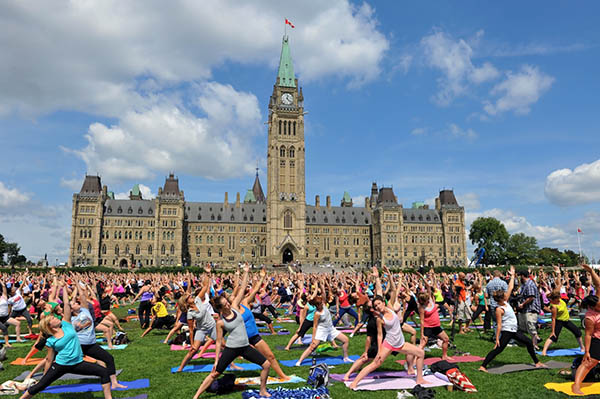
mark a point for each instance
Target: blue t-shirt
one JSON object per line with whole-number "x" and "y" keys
{"x": 250, "y": 323}
{"x": 68, "y": 349}
{"x": 86, "y": 335}
{"x": 310, "y": 314}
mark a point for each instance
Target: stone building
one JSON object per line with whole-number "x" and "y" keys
{"x": 275, "y": 228}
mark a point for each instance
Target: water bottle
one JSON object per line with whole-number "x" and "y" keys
{"x": 314, "y": 360}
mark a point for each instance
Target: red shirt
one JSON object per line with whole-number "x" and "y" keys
{"x": 344, "y": 300}
{"x": 462, "y": 296}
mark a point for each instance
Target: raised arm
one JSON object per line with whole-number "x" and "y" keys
{"x": 240, "y": 295}
{"x": 511, "y": 284}
{"x": 66, "y": 303}
{"x": 595, "y": 278}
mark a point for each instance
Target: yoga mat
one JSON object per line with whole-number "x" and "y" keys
{"x": 205, "y": 355}
{"x": 396, "y": 383}
{"x": 265, "y": 326}
{"x": 207, "y": 368}
{"x": 115, "y": 347}
{"x": 93, "y": 387}
{"x": 349, "y": 330}
{"x": 34, "y": 361}
{"x": 282, "y": 347}
{"x": 141, "y": 396}
{"x": 271, "y": 380}
{"x": 181, "y": 348}
{"x": 376, "y": 375}
{"x": 588, "y": 388}
{"x": 330, "y": 361}
{"x": 455, "y": 359}
{"x": 66, "y": 377}
{"x": 563, "y": 352}
{"x": 511, "y": 368}
{"x": 277, "y": 333}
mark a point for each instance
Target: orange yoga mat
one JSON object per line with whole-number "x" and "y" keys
{"x": 34, "y": 361}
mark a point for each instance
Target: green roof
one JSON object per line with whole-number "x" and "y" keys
{"x": 346, "y": 197}
{"x": 418, "y": 204}
{"x": 249, "y": 197}
{"x": 136, "y": 190}
{"x": 111, "y": 195}
{"x": 286, "y": 67}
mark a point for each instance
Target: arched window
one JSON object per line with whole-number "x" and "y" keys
{"x": 80, "y": 233}
{"x": 282, "y": 152}
{"x": 149, "y": 249}
{"x": 337, "y": 253}
{"x": 126, "y": 249}
{"x": 292, "y": 152}
{"x": 279, "y": 127}
{"x": 220, "y": 252}
{"x": 117, "y": 250}
{"x": 172, "y": 249}
{"x": 162, "y": 250}
{"x": 346, "y": 253}
{"x": 209, "y": 252}
{"x": 285, "y": 127}
{"x": 197, "y": 252}
{"x": 103, "y": 249}
{"x": 287, "y": 220}
{"x": 137, "y": 250}
{"x": 79, "y": 249}
{"x": 294, "y": 129}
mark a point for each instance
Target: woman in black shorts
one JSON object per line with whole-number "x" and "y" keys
{"x": 375, "y": 334}
{"x": 237, "y": 343}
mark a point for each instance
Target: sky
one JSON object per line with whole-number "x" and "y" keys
{"x": 495, "y": 100}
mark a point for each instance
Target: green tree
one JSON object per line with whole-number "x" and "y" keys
{"x": 2, "y": 249}
{"x": 12, "y": 251}
{"x": 550, "y": 256}
{"x": 570, "y": 258}
{"x": 489, "y": 233}
{"x": 521, "y": 250}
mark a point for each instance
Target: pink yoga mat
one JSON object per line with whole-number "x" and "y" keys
{"x": 205, "y": 355}
{"x": 182, "y": 348}
{"x": 455, "y": 359}
{"x": 396, "y": 383}
{"x": 376, "y": 375}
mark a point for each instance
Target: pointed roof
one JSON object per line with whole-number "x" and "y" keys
{"x": 286, "y": 67}
{"x": 257, "y": 190}
{"x": 91, "y": 186}
{"x": 346, "y": 199}
{"x": 249, "y": 198}
{"x": 171, "y": 187}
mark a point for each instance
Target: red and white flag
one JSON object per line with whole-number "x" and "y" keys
{"x": 288, "y": 22}
{"x": 579, "y": 230}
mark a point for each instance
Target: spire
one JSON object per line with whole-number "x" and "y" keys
{"x": 257, "y": 190}
{"x": 285, "y": 74}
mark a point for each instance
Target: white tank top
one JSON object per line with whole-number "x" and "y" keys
{"x": 509, "y": 319}
{"x": 393, "y": 330}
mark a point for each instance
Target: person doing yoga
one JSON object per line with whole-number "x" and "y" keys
{"x": 237, "y": 343}
{"x": 507, "y": 327}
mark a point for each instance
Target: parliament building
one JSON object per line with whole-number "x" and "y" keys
{"x": 273, "y": 228}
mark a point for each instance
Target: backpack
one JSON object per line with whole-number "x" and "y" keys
{"x": 592, "y": 375}
{"x": 459, "y": 380}
{"x": 180, "y": 339}
{"x": 223, "y": 385}
{"x": 318, "y": 376}
{"x": 120, "y": 338}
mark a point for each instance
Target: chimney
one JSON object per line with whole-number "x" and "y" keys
{"x": 426, "y": 206}
{"x": 317, "y": 202}
{"x": 328, "y": 202}
{"x": 104, "y": 190}
{"x": 437, "y": 203}
{"x": 367, "y": 203}
{"x": 159, "y": 190}
{"x": 237, "y": 200}
{"x": 226, "y": 194}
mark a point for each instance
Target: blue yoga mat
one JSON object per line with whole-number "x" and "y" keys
{"x": 115, "y": 347}
{"x": 563, "y": 352}
{"x": 95, "y": 387}
{"x": 330, "y": 361}
{"x": 207, "y": 368}
{"x": 265, "y": 326}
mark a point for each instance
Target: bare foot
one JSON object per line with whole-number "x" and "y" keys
{"x": 285, "y": 378}
{"x": 421, "y": 381}
{"x": 346, "y": 377}
{"x": 482, "y": 369}
{"x": 541, "y": 366}
{"x": 286, "y": 348}
{"x": 8, "y": 345}
{"x": 265, "y": 394}
{"x": 347, "y": 360}
{"x": 447, "y": 358}
{"x": 544, "y": 353}
{"x": 117, "y": 385}
{"x": 235, "y": 367}
{"x": 352, "y": 386}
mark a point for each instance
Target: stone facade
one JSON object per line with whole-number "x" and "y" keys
{"x": 273, "y": 229}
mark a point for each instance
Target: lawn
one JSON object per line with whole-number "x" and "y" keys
{"x": 148, "y": 358}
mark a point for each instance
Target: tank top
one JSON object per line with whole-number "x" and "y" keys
{"x": 325, "y": 319}
{"x": 562, "y": 313}
{"x": 437, "y": 294}
{"x": 393, "y": 329}
{"x": 146, "y": 296}
{"x": 509, "y": 320}
{"x": 431, "y": 316}
{"x": 344, "y": 303}
{"x": 594, "y": 317}
{"x": 249, "y": 322}
{"x": 237, "y": 338}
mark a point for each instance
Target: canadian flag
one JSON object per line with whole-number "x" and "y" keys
{"x": 579, "y": 231}
{"x": 288, "y": 22}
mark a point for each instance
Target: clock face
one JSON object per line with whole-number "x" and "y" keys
{"x": 287, "y": 98}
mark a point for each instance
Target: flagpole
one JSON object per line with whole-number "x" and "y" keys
{"x": 579, "y": 242}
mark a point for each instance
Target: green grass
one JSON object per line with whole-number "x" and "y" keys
{"x": 148, "y": 358}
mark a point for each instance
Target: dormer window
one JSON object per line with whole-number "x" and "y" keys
{"x": 119, "y": 210}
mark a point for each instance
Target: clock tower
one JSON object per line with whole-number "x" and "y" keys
{"x": 286, "y": 202}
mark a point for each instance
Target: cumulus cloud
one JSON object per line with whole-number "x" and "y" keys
{"x": 144, "y": 190}
{"x": 571, "y": 187}
{"x": 519, "y": 91}
{"x": 418, "y": 131}
{"x": 469, "y": 200}
{"x": 73, "y": 184}
{"x": 11, "y": 197}
{"x": 458, "y": 132}
{"x": 453, "y": 57}
{"x": 169, "y": 137}
{"x": 103, "y": 58}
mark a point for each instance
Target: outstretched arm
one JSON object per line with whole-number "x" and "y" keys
{"x": 595, "y": 278}
{"x": 240, "y": 295}
{"x": 511, "y": 284}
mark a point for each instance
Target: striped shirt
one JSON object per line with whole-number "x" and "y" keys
{"x": 497, "y": 284}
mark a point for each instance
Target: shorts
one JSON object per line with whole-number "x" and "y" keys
{"x": 255, "y": 339}
{"x": 183, "y": 318}
{"x": 17, "y": 313}
{"x": 307, "y": 325}
{"x": 200, "y": 335}
{"x": 392, "y": 348}
{"x": 247, "y": 352}
{"x": 463, "y": 312}
{"x": 326, "y": 334}
{"x": 528, "y": 323}
{"x": 40, "y": 344}
{"x": 161, "y": 322}
{"x": 4, "y": 319}
{"x": 432, "y": 332}
{"x": 595, "y": 349}
{"x": 372, "y": 351}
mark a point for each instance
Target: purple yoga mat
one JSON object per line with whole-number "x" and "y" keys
{"x": 278, "y": 333}
{"x": 374, "y": 375}
{"x": 396, "y": 383}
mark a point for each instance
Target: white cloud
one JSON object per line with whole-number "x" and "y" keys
{"x": 73, "y": 184}
{"x": 418, "y": 131}
{"x": 144, "y": 190}
{"x": 11, "y": 197}
{"x": 168, "y": 137}
{"x": 106, "y": 57}
{"x": 571, "y": 187}
{"x": 470, "y": 201}
{"x": 519, "y": 91}
{"x": 454, "y": 59}
{"x": 458, "y": 132}
{"x": 359, "y": 201}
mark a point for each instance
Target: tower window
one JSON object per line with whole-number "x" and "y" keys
{"x": 287, "y": 220}
{"x": 294, "y": 132}
{"x": 292, "y": 152}
{"x": 282, "y": 152}
{"x": 279, "y": 127}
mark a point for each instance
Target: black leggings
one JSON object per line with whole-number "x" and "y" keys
{"x": 247, "y": 352}
{"x": 24, "y": 313}
{"x": 307, "y": 325}
{"x": 144, "y": 313}
{"x": 568, "y": 325}
{"x": 260, "y": 316}
{"x": 410, "y": 308}
{"x": 480, "y": 309}
{"x": 271, "y": 309}
{"x": 95, "y": 351}
{"x": 56, "y": 371}
{"x": 505, "y": 337}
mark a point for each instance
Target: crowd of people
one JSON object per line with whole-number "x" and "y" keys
{"x": 223, "y": 309}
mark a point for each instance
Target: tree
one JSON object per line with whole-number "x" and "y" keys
{"x": 2, "y": 249}
{"x": 550, "y": 256}
{"x": 521, "y": 249}
{"x": 12, "y": 251}
{"x": 489, "y": 233}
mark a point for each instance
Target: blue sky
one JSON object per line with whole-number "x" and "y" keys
{"x": 497, "y": 100}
